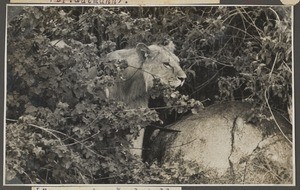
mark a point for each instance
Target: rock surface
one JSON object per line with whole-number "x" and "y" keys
{"x": 227, "y": 148}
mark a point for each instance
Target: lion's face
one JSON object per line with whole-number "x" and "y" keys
{"x": 160, "y": 62}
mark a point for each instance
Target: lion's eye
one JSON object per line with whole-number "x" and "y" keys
{"x": 167, "y": 64}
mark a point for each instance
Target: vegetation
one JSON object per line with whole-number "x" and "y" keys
{"x": 61, "y": 129}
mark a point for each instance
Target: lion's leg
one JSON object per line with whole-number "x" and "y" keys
{"x": 138, "y": 144}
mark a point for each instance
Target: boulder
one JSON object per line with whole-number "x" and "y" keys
{"x": 228, "y": 147}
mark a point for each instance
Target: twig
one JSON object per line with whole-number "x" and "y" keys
{"x": 39, "y": 127}
{"x": 267, "y": 101}
{"x": 207, "y": 81}
{"x": 278, "y": 18}
{"x": 155, "y": 108}
{"x": 202, "y": 57}
{"x": 50, "y": 131}
{"x": 231, "y": 15}
{"x": 245, "y": 172}
{"x": 82, "y": 141}
{"x": 268, "y": 170}
{"x": 28, "y": 177}
{"x": 184, "y": 144}
{"x": 274, "y": 63}
{"x": 258, "y": 40}
{"x": 273, "y": 117}
{"x": 259, "y": 31}
{"x": 287, "y": 67}
{"x": 245, "y": 28}
{"x": 78, "y": 142}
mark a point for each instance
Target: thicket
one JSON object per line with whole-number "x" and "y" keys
{"x": 60, "y": 129}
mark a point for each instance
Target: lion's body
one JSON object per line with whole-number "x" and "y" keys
{"x": 144, "y": 64}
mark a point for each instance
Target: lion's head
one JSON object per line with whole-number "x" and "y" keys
{"x": 145, "y": 64}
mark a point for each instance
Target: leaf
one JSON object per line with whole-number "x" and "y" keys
{"x": 38, "y": 151}
{"x": 30, "y": 109}
{"x": 10, "y": 174}
{"x": 62, "y": 105}
{"x": 194, "y": 110}
{"x": 92, "y": 72}
{"x": 80, "y": 108}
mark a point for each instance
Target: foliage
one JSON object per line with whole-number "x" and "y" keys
{"x": 56, "y": 106}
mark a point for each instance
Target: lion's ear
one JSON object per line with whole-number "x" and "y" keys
{"x": 143, "y": 51}
{"x": 170, "y": 46}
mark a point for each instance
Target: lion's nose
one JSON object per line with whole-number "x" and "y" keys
{"x": 182, "y": 79}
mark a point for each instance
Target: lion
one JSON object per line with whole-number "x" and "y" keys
{"x": 145, "y": 63}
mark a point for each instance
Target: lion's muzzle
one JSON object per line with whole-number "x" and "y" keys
{"x": 178, "y": 82}
{"x": 182, "y": 79}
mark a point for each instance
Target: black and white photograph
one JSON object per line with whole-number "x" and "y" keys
{"x": 176, "y": 95}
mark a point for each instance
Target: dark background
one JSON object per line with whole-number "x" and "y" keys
{"x": 229, "y": 2}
